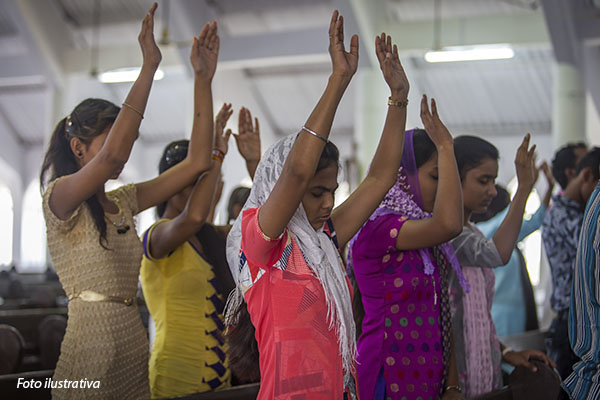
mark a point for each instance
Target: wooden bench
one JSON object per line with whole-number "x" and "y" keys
{"x": 240, "y": 392}
{"x": 526, "y": 340}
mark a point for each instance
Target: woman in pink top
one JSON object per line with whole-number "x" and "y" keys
{"x": 283, "y": 247}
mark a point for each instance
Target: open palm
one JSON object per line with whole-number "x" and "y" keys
{"x": 248, "y": 137}
{"x": 435, "y": 128}
{"x": 390, "y": 65}
{"x": 150, "y": 50}
{"x": 344, "y": 63}
{"x": 205, "y": 51}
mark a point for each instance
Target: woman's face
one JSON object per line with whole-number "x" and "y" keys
{"x": 478, "y": 186}
{"x": 319, "y": 197}
{"x": 428, "y": 181}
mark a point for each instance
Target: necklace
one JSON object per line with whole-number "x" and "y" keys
{"x": 121, "y": 224}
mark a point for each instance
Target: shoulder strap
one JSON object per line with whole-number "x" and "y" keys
{"x": 332, "y": 235}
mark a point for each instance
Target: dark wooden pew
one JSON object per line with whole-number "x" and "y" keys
{"x": 240, "y": 392}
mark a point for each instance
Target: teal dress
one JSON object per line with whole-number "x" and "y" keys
{"x": 508, "y": 308}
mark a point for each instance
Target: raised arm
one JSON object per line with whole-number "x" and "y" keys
{"x": 352, "y": 214}
{"x": 507, "y": 234}
{"x": 169, "y": 235}
{"x": 447, "y": 219}
{"x": 203, "y": 57}
{"x": 248, "y": 140}
{"x": 545, "y": 168}
{"x": 220, "y": 123}
{"x": 76, "y": 188}
{"x": 301, "y": 163}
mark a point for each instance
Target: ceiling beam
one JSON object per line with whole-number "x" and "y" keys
{"x": 575, "y": 34}
{"x": 517, "y": 29}
{"x": 46, "y": 35}
{"x": 112, "y": 57}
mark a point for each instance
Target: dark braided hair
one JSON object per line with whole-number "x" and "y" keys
{"x": 91, "y": 118}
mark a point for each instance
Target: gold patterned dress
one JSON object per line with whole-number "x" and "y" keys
{"x": 105, "y": 340}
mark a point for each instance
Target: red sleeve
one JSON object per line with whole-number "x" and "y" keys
{"x": 258, "y": 248}
{"x": 379, "y": 236}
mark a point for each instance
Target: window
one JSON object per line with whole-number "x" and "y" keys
{"x": 6, "y": 227}
{"x": 33, "y": 231}
{"x": 531, "y": 246}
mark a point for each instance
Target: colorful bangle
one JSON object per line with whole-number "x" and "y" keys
{"x": 218, "y": 155}
{"x": 133, "y": 109}
{"x": 397, "y": 103}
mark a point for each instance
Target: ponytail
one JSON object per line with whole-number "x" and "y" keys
{"x": 89, "y": 119}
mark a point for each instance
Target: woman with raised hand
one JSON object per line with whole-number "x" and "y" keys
{"x": 248, "y": 140}
{"x": 91, "y": 234}
{"x": 248, "y": 143}
{"x": 478, "y": 350}
{"x": 184, "y": 276}
{"x": 283, "y": 248}
{"x": 401, "y": 259}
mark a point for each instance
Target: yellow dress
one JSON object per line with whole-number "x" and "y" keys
{"x": 105, "y": 341}
{"x": 188, "y": 354}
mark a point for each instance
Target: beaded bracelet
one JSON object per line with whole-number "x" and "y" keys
{"x": 218, "y": 155}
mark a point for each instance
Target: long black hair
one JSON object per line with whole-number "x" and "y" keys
{"x": 243, "y": 348}
{"x": 91, "y": 118}
{"x": 212, "y": 241}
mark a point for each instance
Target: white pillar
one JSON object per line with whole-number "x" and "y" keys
{"x": 370, "y": 114}
{"x": 592, "y": 122}
{"x": 568, "y": 106}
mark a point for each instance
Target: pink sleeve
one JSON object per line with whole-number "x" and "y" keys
{"x": 258, "y": 248}
{"x": 379, "y": 236}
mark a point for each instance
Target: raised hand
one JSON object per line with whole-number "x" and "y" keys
{"x": 525, "y": 164}
{"x": 248, "y": 136}
{"x": 205, "y": 51}
{"x": 344, "y": 63}
{"x": 435, "y": 128}
{"x": 390, "y": 65}
{"x": 222, "y": 118}
{"x": 545, "y": 168}
{"x": 222, "y": 138}
{"x": 150, "y": 51}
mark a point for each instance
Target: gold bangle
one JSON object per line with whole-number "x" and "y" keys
{"x": 397, "y": 103}
{"x": 133, "y": 109}
{"x": 453, "y": 387}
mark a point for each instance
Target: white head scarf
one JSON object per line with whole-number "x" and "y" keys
{"x": 317, "y": 248}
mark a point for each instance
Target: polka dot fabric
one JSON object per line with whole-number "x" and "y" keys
{"x": 402, "y": 327}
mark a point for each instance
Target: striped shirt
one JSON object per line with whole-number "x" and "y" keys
{"x": 584, "y": 316}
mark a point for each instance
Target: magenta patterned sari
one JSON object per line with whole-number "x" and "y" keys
{"x": 404, "y": 345}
